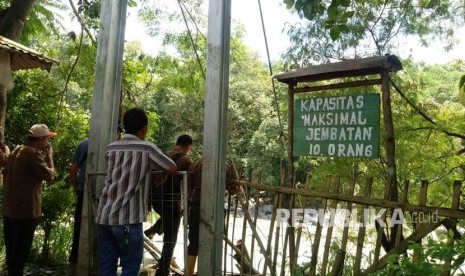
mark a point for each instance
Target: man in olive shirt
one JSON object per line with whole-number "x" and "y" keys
{"x": 27, "y": 167}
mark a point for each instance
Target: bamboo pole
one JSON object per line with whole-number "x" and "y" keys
{"x": 246, "y": 265}
{"x": 362, "y": 230}
{"x": 252, "y": 227}
{"x": 245, "y": 209}
{"x": 273, "y": 269}
{"x": 302, "y": 205}
{"x": 293, "y": 248}
{"x": 329, "y": 232}
{"x": 404, "y": 200}
{"x": 380, "y": 234}
{"x": 275, "y": 255}
{"x": 316, "y": 241}
{"x": 283, "y": 259}
{"x": 257, "y": 203}
{"x": 270, "y": 235}
{"x": 340, "y": 257}
{"x": 422, "y": 199}
{"x": 457, "y": 190}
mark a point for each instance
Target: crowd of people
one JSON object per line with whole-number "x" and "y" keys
{"x": 128, "y": 195}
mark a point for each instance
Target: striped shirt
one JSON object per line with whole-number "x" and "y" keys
{"x": 124, "y": 198}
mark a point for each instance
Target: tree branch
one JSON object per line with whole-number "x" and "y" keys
{"x": 422, "y": 114}
{"x": 83, "y": 24}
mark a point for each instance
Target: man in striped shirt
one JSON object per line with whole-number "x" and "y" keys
{"x": 124, "y": 205}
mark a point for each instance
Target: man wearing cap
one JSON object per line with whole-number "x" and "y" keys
{"x": 27, "y": 167}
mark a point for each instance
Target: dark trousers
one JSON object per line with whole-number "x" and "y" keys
{"x": 194, "y": 223}
{"x": 77, "y": 227}
{"x": 18, "y": 235}
{"x": 170, "y": 216}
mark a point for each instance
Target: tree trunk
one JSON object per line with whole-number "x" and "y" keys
{"x": 12, "y": 24}
{"x": 3, "y": 103}
{"x": 11, "y": 27}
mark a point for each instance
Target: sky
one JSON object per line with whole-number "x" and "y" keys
{"x": 275, "y": 17}
{"x": 247, "y": 13}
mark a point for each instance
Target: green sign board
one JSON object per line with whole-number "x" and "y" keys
{"x": 341, "y": 126}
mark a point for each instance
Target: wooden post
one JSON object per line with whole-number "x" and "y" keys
{"x": 290, "y": 182}
{"x": 390, "y": 137}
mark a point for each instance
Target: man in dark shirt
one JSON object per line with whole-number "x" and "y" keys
{"x": 77, "y": 175}
{"x": 166, "y": 201}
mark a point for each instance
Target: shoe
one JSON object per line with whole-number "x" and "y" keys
{"x": 149, "y": 233}
{"x": 155, "y": 229}
{"x": 158, "y": 227}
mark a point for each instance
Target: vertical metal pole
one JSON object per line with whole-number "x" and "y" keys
{"x": 104, "y": 120}
{"x": 215, "y": 139}
{"x": 185, "y": 218}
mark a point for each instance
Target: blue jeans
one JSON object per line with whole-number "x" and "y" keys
{"x": 125, "y": 242}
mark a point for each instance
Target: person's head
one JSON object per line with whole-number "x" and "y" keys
{"x": 135, "y": 122}
{"x": 184, "y": 142}
{"x": 39, "y": 134}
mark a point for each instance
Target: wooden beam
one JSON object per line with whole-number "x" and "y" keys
{"x": 347, "y": 68}
{"x": 340, "y": 85}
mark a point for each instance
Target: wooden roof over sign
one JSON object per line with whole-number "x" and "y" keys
{"x": 347, "y": 68}
{"x": 23, "y": 57}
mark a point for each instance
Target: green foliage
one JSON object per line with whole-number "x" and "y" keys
{"x": 432, "y": 255}
{"x": 171, "y": 86}
{"x": 54, "y": 243}
{"x": 340, "y": 29}
{"x": 90, "y": 11}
